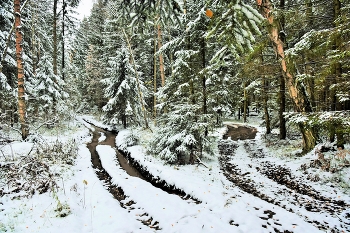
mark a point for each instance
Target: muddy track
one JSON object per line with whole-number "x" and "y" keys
{"x": 298, "y": 194}
{"x": 157, "y": 182}
{"x": 133, "y": 168}
{"x": 283, "y": 176}
{"x": 103, "y": 175}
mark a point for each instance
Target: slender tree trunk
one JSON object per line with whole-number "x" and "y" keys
{"x": 33, "y": 40}
{"x": 282, "y": 108}
{"x": 266, "y": 109}
{"x": 4, "y": 54}
{"x": 265, "y": 100}
{"x": 55, "y": 37}
{"x": 282, "y": 90}
{"x": 63, "y": 39}
{"x": 337, "y": 74}
{"x": 161, "y": 60}
{"x": 21, "y": 92}
{"x": 245, "y": 102}
{"x": 155, "y": 83}
{"x": 239, "y": 113}
{"x": 298, "y": 99}
{"x": 204, "y": 87}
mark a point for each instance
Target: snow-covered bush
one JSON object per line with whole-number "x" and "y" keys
{"x": 33, "y": 172}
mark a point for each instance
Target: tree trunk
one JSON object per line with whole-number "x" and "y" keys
{"x": 337, "y": 74}
{"x": 265, "y": 100}
{"x": 282, "y": 90}
{"x": 155, "y": 82}
{"x": 64, "y": 11}
{"x": 298, "y": 99}
{"x": 55, "y": 37}
{"x": 4, "y": 54}
{"x": 21, "y": 91}
{"x": 266, "y": 110}
{"x": 309, "y": 140}
{"x": 161, "y": 60}
{"x": 244, "y": 103}
{"x": 204, "y": 87}
{"x": 282, "y": 108}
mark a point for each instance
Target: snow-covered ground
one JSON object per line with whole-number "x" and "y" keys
{"x": 81, "y": 203}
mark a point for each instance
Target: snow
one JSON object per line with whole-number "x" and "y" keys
{"x": 102, "y": 138}
{"x": 91, "y": 208}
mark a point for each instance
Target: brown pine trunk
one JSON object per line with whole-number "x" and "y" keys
{"x": 155, "y": 83}
{"x": 244, "y": 103}
{"x": 161, "y": 60}
{"x": 265, "y": 100}
{"x": 55, "y": 37}
{"x": 21, "y": 92}
{"x": 337, "y": 75}
{"x": 298, "y": 99}
{"x": 282, "y": 108}
{"x": 63, "y": 44}
{"x": 204, "y": 87}
{"x": 266, "y": 110}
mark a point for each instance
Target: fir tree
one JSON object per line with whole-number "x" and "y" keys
{"x": 121, "y": 90}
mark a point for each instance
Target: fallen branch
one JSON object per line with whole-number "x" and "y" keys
{"x": 200, "y": 161}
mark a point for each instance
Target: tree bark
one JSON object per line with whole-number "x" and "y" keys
{"x": 337, "y": 75}
{"x": 298, "y": 98}
{"x": 155, "y": 83}
{"x": 282, "y": 108}
{"x": 55, "y": 37}
{"x": 245, "y": 102}
{"x": 4, "y": 54}
{"x": 282, "y": 90}
{"x": 204, "y": 87}
{"x": 161, "y": 60}
{"x": 266, "y": 109}
{"x": 20, "y": 69}
{"x": 64, "y": 11}
{"x": 265, "y": 100}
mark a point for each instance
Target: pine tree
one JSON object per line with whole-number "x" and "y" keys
{"x": 182, "y": 134}
{"x": 121, "y": 90}
{"x": 48, "y": 88}
{"x": 21, "y": 91}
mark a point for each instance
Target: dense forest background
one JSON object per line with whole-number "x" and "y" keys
{"x": 179, "y": 68}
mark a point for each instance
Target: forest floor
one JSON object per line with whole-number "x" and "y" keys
{"x": 254, "y": 184}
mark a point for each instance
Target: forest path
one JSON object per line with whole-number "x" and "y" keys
{"x": 249, "y": 167}
{"x": 104, "y": 141}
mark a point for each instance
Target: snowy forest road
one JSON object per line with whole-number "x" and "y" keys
{"x": 126, "y": 201}
{"x": 249, "y": 167}
{"x": 223, "y": 203}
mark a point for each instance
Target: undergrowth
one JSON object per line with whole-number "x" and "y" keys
{"x": 25, "y": 175}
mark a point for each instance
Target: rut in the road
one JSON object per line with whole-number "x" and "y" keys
{"x": 102, "y": 174}
{"x": 133, "y": 168}
{"x": 282, "y": 176}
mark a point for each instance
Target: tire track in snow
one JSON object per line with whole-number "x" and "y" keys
{"x": 255, "y": 181}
